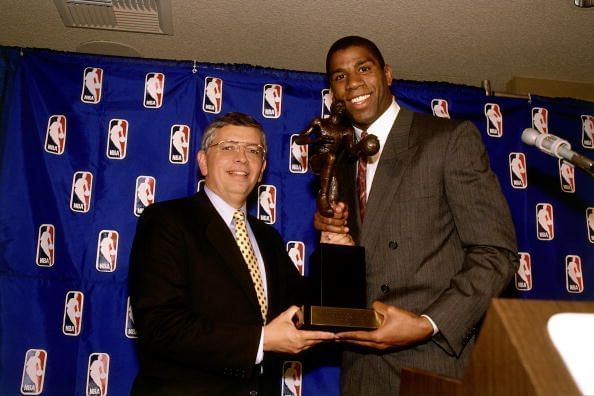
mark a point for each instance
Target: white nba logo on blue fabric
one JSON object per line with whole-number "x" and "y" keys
{"x": 267, "y": 203}
{"x": 55, "y": 136}
{"x": 326, "y": 104}
{"x": 145, "y": 193}
{"x": 117, "y": 139}
{"x": 272, "y": 99}
{"x": 298, "y": 156}
{"x": 213, "y": 95}
{"x": 73, "y": 310}
{"x": 92, "y": 85}
{"x": 98, "y": 374}
{"x": 179, "y": 144}
{"x": 33, "y": 372}
{"x": 292, "y": 378}
{"x": 440, "y": 108}
{"x": 296, "y": 252}
{"x": 82, "y": 187}
{"x": 130, "y": 329}
{"x": 46, "y": 239}
{"x": 545, "y": 227}
{"x": 154, "y": 89}
{"x": 107, "y": 251}
{"x": 540, "y": 119}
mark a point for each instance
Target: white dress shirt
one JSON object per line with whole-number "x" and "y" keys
{"x": 226, "y": 212}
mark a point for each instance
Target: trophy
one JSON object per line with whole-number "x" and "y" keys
{"x": 337, "y": 272}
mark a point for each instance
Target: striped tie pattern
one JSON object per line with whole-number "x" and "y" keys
{"x": 362, "y": 181}
{"x": 247, "y": 251}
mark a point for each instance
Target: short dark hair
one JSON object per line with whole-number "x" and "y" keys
{"x": 233, "y": 118}
{"x": 354, "y": 41}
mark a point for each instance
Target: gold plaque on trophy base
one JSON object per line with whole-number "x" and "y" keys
{"x": 338, "y": 319}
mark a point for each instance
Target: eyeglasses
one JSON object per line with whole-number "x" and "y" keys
{"x": 254, "y": 151}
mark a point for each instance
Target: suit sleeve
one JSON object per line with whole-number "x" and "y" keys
{"x": 483, "y": 222}
{"x": 168, "y": 326}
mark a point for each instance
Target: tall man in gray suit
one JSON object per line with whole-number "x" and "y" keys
{"x": 437, "y": 230}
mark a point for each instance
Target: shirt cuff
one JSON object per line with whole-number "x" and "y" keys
{"x": 435, "y": 329}
{"x": 260, "y": 355}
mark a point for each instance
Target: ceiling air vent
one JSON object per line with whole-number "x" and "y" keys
{"x": 145, "y": 16}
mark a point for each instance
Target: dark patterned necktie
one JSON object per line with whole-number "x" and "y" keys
{"x": 362, "y": 181}
{"x": 247, "y": 251}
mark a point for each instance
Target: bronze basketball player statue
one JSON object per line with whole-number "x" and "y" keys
{"x": 331, "y": 138}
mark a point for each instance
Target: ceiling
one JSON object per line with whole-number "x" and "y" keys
{"x": 458, "y": 41}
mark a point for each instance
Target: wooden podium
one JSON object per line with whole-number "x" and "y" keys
{"x": 513, "y": 355}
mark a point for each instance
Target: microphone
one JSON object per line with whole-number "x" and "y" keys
{"x": 557, "y": 147}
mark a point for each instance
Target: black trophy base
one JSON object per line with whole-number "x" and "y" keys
{"x": 337, "y": 300}
{"x": 337, "y": 319}
{"x": 337, "y": 276}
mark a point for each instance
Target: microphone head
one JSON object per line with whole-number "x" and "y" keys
{"x": 529, "y": 136}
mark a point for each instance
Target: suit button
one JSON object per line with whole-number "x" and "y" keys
{"x": 393, "y": 245}
{"x": 385, "y": 288}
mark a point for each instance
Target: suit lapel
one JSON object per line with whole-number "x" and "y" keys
{"x": 223, "y": 241}
{"x": 393, "y": 162}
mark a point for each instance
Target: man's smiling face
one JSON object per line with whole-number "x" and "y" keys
{"x": 232, "y": 175}
{"x": 357, "y": 77}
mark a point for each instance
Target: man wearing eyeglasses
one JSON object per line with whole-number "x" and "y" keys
{"x": 211, "y": 287}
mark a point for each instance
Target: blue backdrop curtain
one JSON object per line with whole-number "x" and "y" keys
{"x": 88, "y": 141}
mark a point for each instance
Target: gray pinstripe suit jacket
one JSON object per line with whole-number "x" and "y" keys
{"x": 439, "y": 240}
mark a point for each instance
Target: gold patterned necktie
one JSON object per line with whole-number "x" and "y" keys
{"x": 247, "y": 251}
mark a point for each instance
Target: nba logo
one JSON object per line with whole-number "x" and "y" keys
{"x": 213, "y": 95}
{"x": 107, "y": 251}
{"x": 200, "y": 185}
{"x": 297, "y": 156}
{"x": 272, "y": 99}
{"x": 292, "y": 378}
{"x": 494, "y": 120}
{"x": 73, "y": 309}
{"x": 326, "y": 103}
{"x": 179, "y": 144}
{"x": 98, "y": 374}
{"x": 574, "y": 278}
{"x": 80, "y": 197}
{"x": 55, "y": 136}
{"x": 33, "y": 372}
{"x": 117, "y": 139}
{"x": 540, "y": 119}
{"x": 587, "y": 131}
{"x": 567, "y": 176}
{"x": 545, "y": 229}
{"x": 440, "y": 108}
{"x": 267, "y": 203}
{"x": 130, "y": 330}
{"x": 296, "y": 251}
{"x": 524, "y": 274}
{"x": 92, "y": 83}
{"x": 590, "y": 224}
{"x": 154, "y": 87}
{"x": 45, "y": 245}
{"x": 517, "y": 170}
{"x": 145, "y": 193}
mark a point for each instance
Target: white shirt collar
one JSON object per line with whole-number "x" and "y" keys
{"x": 223, "y": 208}
{"x": 381, "y": 128}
